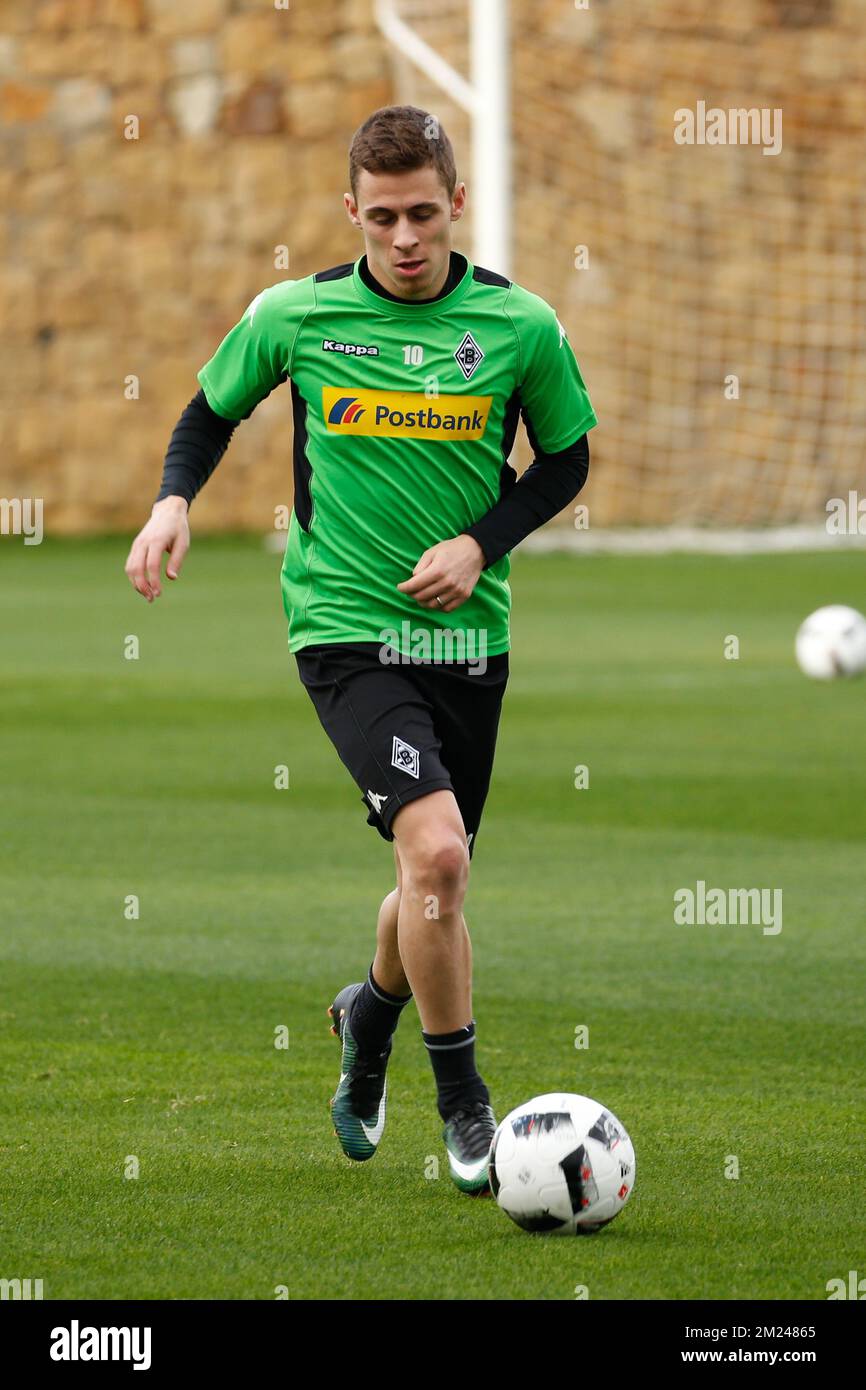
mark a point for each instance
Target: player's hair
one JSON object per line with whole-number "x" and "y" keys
{"x": 396, "y": 139}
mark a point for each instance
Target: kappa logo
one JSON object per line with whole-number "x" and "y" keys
{"x": 377, "y": 798}
{"x": 250, "y": 310}
{"x": 405, "y": 757}
{"x": 254, "y": 304}
{"x": 350, "y": 349}
{"x": 469, "y": 355}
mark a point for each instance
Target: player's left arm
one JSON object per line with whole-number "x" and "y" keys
{"x": 249, "y": 363}
{"x": 557, "y": 413}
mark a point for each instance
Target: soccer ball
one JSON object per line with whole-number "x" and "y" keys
{"x": 561, "y": 1164}
{"x": 832, "y": 642}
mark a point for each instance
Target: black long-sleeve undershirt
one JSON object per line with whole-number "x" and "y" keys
{"x": 198, "y": 442}
{"x": 550, "y": 482}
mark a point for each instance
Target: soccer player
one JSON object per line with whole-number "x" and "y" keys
{"x": 409, "y": 369}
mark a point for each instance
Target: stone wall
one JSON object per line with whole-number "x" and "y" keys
{"x": 130, "y": 258}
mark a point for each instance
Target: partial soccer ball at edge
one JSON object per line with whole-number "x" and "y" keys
{"x": 561, "y": 1164}
{"x": 832, "y": 642}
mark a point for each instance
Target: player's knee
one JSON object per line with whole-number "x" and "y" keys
{"x": 439, "y": 867}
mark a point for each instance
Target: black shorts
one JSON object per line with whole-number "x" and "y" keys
{"x": 409, "y": 729}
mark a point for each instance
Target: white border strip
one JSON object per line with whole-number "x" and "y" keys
{"x": 646, "y": 540}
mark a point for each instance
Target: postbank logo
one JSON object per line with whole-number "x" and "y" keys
{"x": 404, "y": 414}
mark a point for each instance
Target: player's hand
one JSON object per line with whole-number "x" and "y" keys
{"x": 448, "y": 571}
{"x": 167, "y": 530}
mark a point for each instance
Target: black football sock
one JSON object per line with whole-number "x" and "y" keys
{"x": 453, "y": 1058}
{"x": 375, "y": 1015}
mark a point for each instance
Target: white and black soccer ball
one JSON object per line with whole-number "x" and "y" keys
{"x": 832, "y": 642}
{"x": 561, "y": 1164}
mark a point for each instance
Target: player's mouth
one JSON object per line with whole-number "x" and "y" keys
{"x": 409, "y": 267}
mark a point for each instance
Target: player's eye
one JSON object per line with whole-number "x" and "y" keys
{"x": 383, "y": 217}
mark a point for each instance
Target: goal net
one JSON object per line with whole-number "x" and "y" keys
{"x": 715, "y": 294}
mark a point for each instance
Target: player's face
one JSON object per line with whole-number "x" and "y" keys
{"x": 406, "y": 220}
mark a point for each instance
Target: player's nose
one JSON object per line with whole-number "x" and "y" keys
{"x": 405, "y": 238}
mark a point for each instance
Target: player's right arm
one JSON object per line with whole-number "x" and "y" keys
{"x": 167, "y": 530}
{"x": 198, "y": 442}
{"x": 253, "y": 358}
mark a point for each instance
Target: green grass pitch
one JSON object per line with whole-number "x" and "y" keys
{"x": 150, "y": 1041}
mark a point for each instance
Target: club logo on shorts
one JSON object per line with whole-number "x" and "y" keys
{"x": 405, "y": 757}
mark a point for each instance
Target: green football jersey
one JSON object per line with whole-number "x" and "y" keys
{"x": 404, "y": 418}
